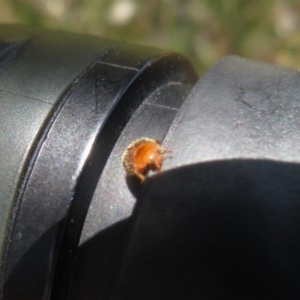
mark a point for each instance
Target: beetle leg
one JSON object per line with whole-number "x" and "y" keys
{"x": 158, "y": 167}
{"x": 166, "y": 150}
{"x": 140, "y": 176}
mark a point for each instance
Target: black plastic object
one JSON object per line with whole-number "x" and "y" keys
{"x": 65, "y": 100}
{"x": 220, "y": 222}
{"x": 223, "y": 220}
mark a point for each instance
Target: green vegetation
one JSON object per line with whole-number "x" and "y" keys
{"x": 203, "y": 30}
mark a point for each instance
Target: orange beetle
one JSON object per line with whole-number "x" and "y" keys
{"x": 142, "y": 156}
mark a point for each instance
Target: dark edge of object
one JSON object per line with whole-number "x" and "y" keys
{"x": 16, "y": 38}
{"x": 51, "y": 235}
{"x": 95, "y": 263}
{"x": 154, "y": 72}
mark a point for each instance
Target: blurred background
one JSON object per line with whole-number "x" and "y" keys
{"x": 203, "y": 30}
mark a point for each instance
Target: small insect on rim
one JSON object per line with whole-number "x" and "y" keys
{"x": 143, "y": 155}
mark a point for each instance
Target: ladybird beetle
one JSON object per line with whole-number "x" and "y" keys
{"x": 142, "y": 156}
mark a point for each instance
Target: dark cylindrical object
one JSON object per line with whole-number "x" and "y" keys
{"x": 220, "y": 221}
{"x": 65, "y": 99}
